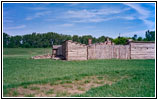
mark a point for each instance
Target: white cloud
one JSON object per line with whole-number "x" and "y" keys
{"x": 139, "y": 9}
{"x": 100, "y": 19}
{"x": 80, "y": 14}
{"x": 17, "y": 27}
{"x": 128, "y": 17}
{"x": 51, "y": 19}
{"x": 67, "y": 25}
{"x": 95, "y": 15}
{"x": 100, "y": 15}
{"x": 38, "y": 14}
{"x": 8, "y": 21}
{"x": 149, "y": 23}
{"x": 38, "y": 8}
{"x": 89, "y": 20}
{"x": 29, "y": 18}
{"x": 144, "y": 14}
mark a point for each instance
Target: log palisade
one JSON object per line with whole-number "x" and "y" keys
{"x": 107, "y": 50}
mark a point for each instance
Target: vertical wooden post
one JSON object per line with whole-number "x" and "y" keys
{"x": 66, "y": 53}
{"x": 89, "y": 41}
{"x": 87, "y": 52}
{"x": 130, "y": 50}
{"x": 52, "y": 50}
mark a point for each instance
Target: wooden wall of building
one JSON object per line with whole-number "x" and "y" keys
{"x": 59, "y": 51}
{"x": 64, "y": 49}
{"x": 76, "y": 51}
{"x": 104, "y": 51}
{"x": 142, "y": 50}
{"x": 135, "y": 50}
{"x": 99, "y": 51}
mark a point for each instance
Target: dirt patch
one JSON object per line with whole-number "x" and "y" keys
{"x": 62, "y": 88}
{"x": 46, "y": 56}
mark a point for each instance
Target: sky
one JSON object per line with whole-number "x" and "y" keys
{"x": 96, "y": 19}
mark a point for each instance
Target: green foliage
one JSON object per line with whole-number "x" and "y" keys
{"x": 121, "y": 40}
{"x": 150, "y": 35}
{"x": 101, "y": 39}
{"x": 139, "y": 39}
{"x": 6, "y": 39}
{"x": 44, "y": 40}
{"x": 134, "y": 37}
{"x": 34, "y": 40}
{"x": 76, "y": 38}
{"x": 20, "y": 70}
{"x": 84, "y": 39}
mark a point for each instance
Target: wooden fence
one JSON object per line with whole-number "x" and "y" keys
{"x": 103, "y": 51}
{"x": 135, "y": 50}
{"x": 142, "y": 50}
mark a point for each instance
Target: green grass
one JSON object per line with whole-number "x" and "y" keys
{"x": 100, "y": 77}
{"x": 15, "y": 93}
{"x": 61, "y": 94}
{"x": 87, "y": 81}
{"x": 20, "y": 70}
{"x": 51, "y": 91}
{"x": 29, "y": 95}
{"x": 34, "y": 88}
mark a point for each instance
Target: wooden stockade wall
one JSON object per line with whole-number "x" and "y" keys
{"x": 135, "y": 50}
{"x": 74, "y": 51}
{"x": 64, "y": 49}
{"x": 103, "y": 51}
{"x": 142, "y": 50}
{"x": 121, "y": 51}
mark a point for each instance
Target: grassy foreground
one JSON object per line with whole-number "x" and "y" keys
{"x": 20, "y": 70}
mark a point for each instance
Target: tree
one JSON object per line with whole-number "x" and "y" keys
{"x": 101, "y": 39}
{"x": 43, "y": 40}
{"x": 6, "y": 39}
{"x": 139, "y": 39}
{"x": 120, "y": 40}
{"x": 150, "y": 35}
{"x": 84, "y": 39}
{"x": 75, "y": 38}
{"x": 134, "y": 37}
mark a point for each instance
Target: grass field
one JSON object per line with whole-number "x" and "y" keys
{"x": 23, "y": 76}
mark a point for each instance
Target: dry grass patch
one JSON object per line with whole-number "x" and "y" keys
{"x": 62, "y": 88}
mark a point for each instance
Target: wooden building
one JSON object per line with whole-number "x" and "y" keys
{"x": 107, "y": 50}
{"x": 142, "y": 50}
{"x": 74, "y": 50}
{"x": 56, "y": 50}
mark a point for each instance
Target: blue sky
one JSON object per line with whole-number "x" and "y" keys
{"x": 96, "y": 19}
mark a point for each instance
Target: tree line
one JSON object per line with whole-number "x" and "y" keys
{"x": 44, "y": 40}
